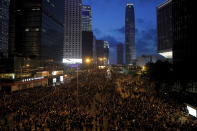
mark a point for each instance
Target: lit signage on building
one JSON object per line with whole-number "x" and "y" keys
{"x": 167, "y": 55}
{"x": 72, "y": 61}
{"x": 31, "y": 79}
{"x": 57, "y": 73}
{"x": 54, "y": 80}
{"x": 61, "y": 78}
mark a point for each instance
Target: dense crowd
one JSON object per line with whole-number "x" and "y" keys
{"x": 99, "y": 103}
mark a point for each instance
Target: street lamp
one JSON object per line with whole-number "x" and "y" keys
{"x": 88, "y": 60}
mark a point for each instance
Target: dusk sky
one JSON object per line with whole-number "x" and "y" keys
{"x": 109, "y": 19}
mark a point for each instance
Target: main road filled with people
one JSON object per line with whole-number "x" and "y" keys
{"x": 100, "y": 103}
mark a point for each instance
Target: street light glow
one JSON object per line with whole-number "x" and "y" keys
{"x": 87, "y": 60}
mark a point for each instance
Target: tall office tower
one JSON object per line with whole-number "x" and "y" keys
{"x": 130, "y": 50}
{"x": 102, "y": 52}
{"x": 87, "y": 45}
{"x": 164, "y": 29}
{"x": 72, "y": 32}
{"x": 184, "y": 39}
{"x": 86, "y": 18}
{"x": 99, "y": 48}
{"x": 4, "y": 20}
{"x": 36, "y": 29}
{"x": 120, "y": 54}
{"x": 94, "y": 50}
{"x": 106, "y": 52}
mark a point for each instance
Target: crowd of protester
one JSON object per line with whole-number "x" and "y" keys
{"x": 94, "y": 103}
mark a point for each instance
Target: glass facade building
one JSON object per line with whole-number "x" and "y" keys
{"x": 102, "y": 52}
{"x": 184, "y": 39}
{"x": 4, "y": 27}
{"x": 130, "y": 50}
{"x": 72, "y": 50}
{"x": 87, "y": 45}
{"x": 106, "y": 52}
{"x": 36, "y": 29}
{"x": 86, "y": 18}
{"x": 164, "y": 29}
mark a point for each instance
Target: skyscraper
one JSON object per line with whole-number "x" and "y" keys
{"x": 102, "y": 52}
{"x": 86, "y": 18}
{"x": 87, "y": 45}
{"x": 120, "y": 54}
{"x": 184, "y": 39}
{"x": 130, "y": 50}
{"x": 87, "y": 34}
{"x": 4, "y": 20}
{"x": 106, "y": 52}
{"x": 36, "y": 29}
{"x": 164, "y": 29}
{"x": 72, "y": 52}
{"x": 94, "y": 50}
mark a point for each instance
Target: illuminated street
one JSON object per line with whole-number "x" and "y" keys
{"x": 120, "y": 103}
{"x": 98, "y": 65}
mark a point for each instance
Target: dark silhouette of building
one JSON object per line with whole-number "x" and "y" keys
{"x": 120, "y": 54}
{"x": 94, "y": 50}
{"x": 99, "y": 48}
{"x": 36, "y": 29}
{"x": 184, "y": 39}
{"x": 4, "y": 21}
{"x": 130, "y": 50}
{"x": 164, "y": 29}
{"x": 87, "y": 45}
{"x": 102, "y": 52}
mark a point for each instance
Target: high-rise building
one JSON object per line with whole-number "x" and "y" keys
{"x": 4, "y": 20}
{"x": 72, "y": 52}
{"x": 99, "y": 49}
{"x": 36, "y": 29}
{"x": 102, "y": 52}
{"x": 130, "y": 50}
{"x": 94, "y": 50}
{"x": 120, "y": 54}
{"x": 164, "y": 29}
{"x": 184, "y": 39}
{"x": 106, "y": 52}
{"x": 86, "y": 18}
{"x": 87, "y": 45}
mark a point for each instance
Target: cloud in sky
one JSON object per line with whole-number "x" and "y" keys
{"x": 120, "y": 30}
{"x": 145, "y": 43}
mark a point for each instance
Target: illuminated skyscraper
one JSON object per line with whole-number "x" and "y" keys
{"x": 86, "y": 18}
{"x": 4, "y": 20}
{"x": 130, "y": 50}
{"x": 72, "y": 52}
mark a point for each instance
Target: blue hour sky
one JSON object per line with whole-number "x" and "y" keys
{"x": 109, "y": 18}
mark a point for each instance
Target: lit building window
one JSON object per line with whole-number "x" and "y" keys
{"x": 27, "y": 30}
{"x": 37, "y": 29}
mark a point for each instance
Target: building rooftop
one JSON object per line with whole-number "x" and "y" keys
{"x": 129, "y": 4}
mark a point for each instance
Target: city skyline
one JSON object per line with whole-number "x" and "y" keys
{"x": 106, "y": 12}
{"x": 94, "y": 64}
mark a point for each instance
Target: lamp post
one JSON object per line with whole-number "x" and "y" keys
{"x": 77, "y": 85}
